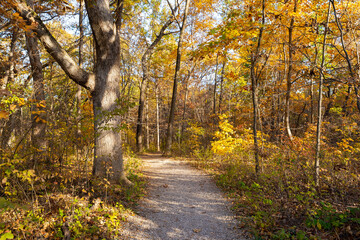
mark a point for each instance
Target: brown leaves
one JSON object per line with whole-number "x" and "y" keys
{"x": 4, "y": 114}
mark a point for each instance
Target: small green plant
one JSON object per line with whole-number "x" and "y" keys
{"x": 6, "y": 235}
{"x": 284, "y": 234}
{"x": 326, "y": 218}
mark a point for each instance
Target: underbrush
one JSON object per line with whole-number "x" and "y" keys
{"x": 282, "y": 201}
{"x": 64, "y": 202}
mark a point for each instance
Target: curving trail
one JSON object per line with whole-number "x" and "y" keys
{"x": 183, "y": 203}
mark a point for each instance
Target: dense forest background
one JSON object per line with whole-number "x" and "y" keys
{"x": 263, "y": 94}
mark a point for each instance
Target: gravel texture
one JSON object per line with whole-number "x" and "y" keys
{"x": 183, "y": 203}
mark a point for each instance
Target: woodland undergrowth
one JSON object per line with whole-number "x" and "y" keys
{"x": 282, "y": 202}
{"x": 60, "y": 200}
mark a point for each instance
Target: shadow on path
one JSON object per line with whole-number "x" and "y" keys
{"x": 183, "y": 203}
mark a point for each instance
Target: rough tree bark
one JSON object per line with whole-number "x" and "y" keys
{"x": 103, "y": 83}
{"x": 38, "y": 108}
{"x": 13, "y": 120}
{"x": 170, "y": 129}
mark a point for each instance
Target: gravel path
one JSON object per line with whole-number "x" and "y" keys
{"x": 183, "y": 203}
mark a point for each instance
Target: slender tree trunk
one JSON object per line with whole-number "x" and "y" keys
{"x": 14, "y": 118}
{"x": 140, "y": 120}
{"x": 184, "y": 108}
{"x": 215, "y": 87}
{"x": 273, "y": 118}
{"x": 229, "y": 103}
{"x": 347, "y": 97}
{"x": 298, "y": 121}
{"x": 10, "y": 71}
{"x": 81, "y": 46}
{"x": 157, "y": 119}
{"x": 186, "y": 97}
{"x": 280, "y": 115}
{"x": 319, "y": 119}
{"x": 254, "y": 90}
{"x": 312, "y": 74}
{"x": 255, "y": 117}
{"x": 12, "y": 123}
{"x": 347, "y": 58}
{"x": 147, "y": 125}
{"x": 176, "y": 80}
{"x": 289, "y": 74}
{"x": 38, "y": 108}
{"x": 221, "y": 85}
{"x": 311, "y": 101}
{"x": 143, "y": 85}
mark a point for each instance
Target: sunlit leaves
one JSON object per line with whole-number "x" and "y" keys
{"x": 225, "y": 140}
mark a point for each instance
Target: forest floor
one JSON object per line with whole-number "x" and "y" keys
{"x": 182, "y": 203}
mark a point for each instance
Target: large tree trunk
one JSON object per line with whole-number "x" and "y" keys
{"x": 108, "y": 153}
{"x": 108, "y": 159}
{"x": 170, "y": 129}
{"x": 103, "y": 83}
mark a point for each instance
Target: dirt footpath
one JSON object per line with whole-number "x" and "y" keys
{"x": 183, "y": 203}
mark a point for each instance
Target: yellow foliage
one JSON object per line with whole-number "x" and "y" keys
{"x": 226, "y": 142}
{"x": 196, "y": 132}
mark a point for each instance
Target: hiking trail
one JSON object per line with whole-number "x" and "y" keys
{"x": 182, "y": 203}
